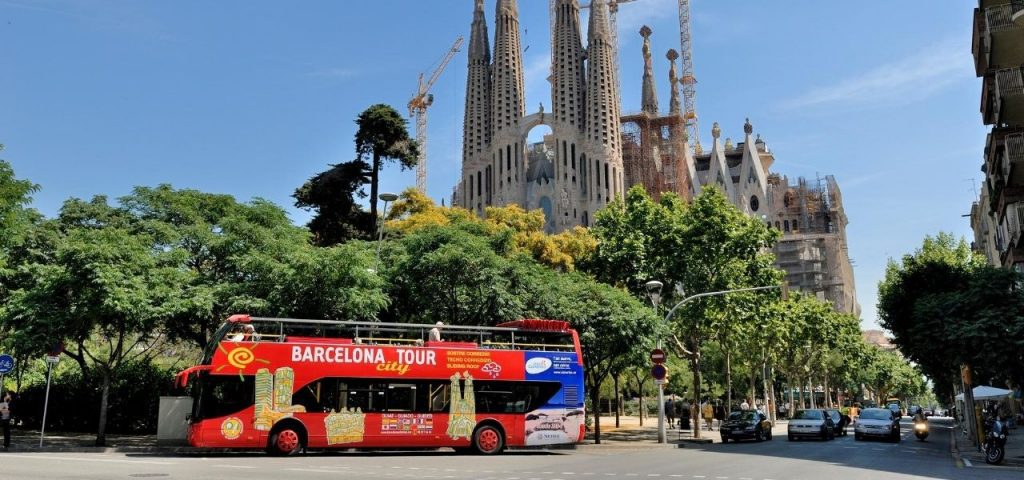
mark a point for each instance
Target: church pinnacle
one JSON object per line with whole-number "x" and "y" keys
{"x": 649, "y": 97}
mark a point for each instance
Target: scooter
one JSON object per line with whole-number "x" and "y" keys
{"x": 921, "y": 430}
{"x": 995, "y": 442}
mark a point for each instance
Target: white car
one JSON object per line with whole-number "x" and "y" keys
{"x": 811, "y": 423}
{"x": 879, "y": 423}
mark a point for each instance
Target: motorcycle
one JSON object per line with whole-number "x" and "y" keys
{"x": 995, "y": 442}
{"x": 921, "y": 430}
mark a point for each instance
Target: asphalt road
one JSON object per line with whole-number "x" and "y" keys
{"x": 779, "y": 459}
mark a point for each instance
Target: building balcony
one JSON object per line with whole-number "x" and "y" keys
{"x": 1002, "y": 97}
{"x": 1004, "y": 156}
{"x": 998, "y": 40}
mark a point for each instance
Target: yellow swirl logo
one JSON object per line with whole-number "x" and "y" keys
{"x": 239, "y": 357}
{"x": 231, "y": 428}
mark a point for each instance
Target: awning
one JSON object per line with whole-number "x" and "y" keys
{"x": 985, "y": 392}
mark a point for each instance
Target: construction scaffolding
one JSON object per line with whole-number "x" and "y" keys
{"x": 652, "y": 153}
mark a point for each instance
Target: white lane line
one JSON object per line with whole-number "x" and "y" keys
{"x": 83, "y": 459}
{"x": 235, "y": 466}
{"x": 967, "y": 462}
{"x": 313, "y": 470}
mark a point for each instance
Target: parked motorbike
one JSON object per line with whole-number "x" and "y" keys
{"x": 921, "y": 430}
{"x": 995, "y": 442}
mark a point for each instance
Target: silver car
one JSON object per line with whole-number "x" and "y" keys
{"x": 811, "y": 423}
{"x": 878, "y": 423}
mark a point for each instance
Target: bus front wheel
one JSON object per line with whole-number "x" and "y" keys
{"x": 286, "y": 440}
{"x": 488, "y": 440}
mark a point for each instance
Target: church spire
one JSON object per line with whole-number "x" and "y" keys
{"x": 567, "y": 70}
{"x": 476, "y": 127}
{"x": 507, "y": 79}
{"x": 673, "y": 81}
{"x": 649, "y": 97}
{"x": 603, "y": 100}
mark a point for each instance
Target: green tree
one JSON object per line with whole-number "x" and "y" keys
{"x": 382, "y": 136}
{"x": 15, "y": 216}
{"x": 946, "y": 308}
{"x": 705, "y": 247}
{"x": 216, "y": 242}
{"x": 106, "y": 292}
{"x": 332, "y": 194}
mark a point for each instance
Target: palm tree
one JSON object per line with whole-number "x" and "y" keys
{"x": 382, "y": 134}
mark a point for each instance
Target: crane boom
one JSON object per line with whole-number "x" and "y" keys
{"x": 418, "y": 107}
{"x": 688, "y": 79}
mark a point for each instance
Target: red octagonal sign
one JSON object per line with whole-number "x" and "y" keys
{"x": 658, "y": 356}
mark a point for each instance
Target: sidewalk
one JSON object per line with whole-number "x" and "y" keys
{"x": 964, "y": 450}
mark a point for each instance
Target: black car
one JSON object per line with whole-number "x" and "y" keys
{"x": 746, "y": 424}
{"x": 839, "y": 420}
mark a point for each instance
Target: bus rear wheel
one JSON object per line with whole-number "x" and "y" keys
{"x": 488, "y": 440}
{"x": 285, "y": 441}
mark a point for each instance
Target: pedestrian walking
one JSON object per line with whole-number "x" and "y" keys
{"x": 708, "y": 412}
{"x": 744, "y": 406}
{"x": 670, "y": 412}
{"x": 684, "y": 416}
{"x": 5, "y": 420}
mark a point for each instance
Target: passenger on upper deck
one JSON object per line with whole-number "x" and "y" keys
{"x": 243, "y": 333}
{"x": 435, "y": 333}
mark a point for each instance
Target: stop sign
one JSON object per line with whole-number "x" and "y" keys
{"x": 658, "y": 356}
{"x": 659, "y": 372}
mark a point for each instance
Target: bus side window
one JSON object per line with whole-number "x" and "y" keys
{"x": 439, "y": 395}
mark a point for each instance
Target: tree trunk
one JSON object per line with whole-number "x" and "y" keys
{"x": 764, "y": 386}
{"x": 728, "y": 382}
{"x": 810, "y": 388}
{"x": 595, "y": 401}
{"x": 696, "y": 413}
{"x": 101, "y": 432}
{"x": 801, "y": 392}
{"x": 792, "y": 404}
{"x": 828, "y": 393}
{"x": 374, "y": 180}
{"x": 774, "y": 402}
{"x": 618, "y": 397}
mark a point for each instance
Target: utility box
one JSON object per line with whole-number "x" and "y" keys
{"x": 172, "y": 425}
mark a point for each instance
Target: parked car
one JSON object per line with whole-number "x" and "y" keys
{"x": 877, "y": 423}
{"x": 746, "y": 424}
{"x": 811, "y": 423}
{"x": 839, "y": 420}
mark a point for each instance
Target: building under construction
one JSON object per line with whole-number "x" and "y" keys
{"x": 659, "y": 154}
{"x": 813, "y": 250}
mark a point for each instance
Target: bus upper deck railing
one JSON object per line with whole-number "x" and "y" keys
{"x": 544, "y": 335}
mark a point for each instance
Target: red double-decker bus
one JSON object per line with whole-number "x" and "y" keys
{"x": 287, "y": 384}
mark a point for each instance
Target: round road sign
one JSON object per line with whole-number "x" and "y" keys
{"x": 6, "y": 363}
{"x": 659, "y": 372}
{"x": 658, "y": 356}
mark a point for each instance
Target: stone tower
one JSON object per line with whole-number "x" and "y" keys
{"x": 579, "y": 167}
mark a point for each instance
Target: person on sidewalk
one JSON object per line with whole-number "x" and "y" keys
{"x": 744, "y": 406}
{"x": 5, "y": 420}
{"x": 708, "y": 412}
{"x": 684, "y": 416}
{"x": 670, "y": 412}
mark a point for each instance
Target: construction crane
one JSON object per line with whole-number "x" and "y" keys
{"x": 418, "y": 107}
{"x": 688, "y": 80}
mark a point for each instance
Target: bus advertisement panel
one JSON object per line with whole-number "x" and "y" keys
{"x": 291, "y": 392}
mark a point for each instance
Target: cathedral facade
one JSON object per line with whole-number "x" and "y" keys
{"x": 581, "y": 169}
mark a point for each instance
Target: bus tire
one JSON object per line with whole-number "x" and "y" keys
{"x": 488, "y": 440}
{"x": 286, "y": 439}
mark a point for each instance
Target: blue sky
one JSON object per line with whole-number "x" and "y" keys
{"x": 251, "y": 98}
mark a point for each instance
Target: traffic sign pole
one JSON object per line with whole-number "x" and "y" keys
{"x": 51, "y": 360}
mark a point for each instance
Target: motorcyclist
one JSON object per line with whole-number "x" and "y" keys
{"x": 919, "y": 416}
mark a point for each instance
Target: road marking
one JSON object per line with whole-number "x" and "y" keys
{"x": 235, "y": 466}
{"x": 968, "y": 462}
{"x": 82, "y": 459}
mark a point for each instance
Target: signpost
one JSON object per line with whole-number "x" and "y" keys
{"x": 660, "y": 373}
{"x": 51, "y": 360}
{"x": 6, "y": 366}
{"x": 658, "y": 356}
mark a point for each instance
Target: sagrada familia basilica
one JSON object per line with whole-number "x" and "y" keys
{"x": 595, "y": 152}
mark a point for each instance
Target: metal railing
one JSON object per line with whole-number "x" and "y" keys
{"x": 999, "y": 18}
{"x": 1009, "y": 81}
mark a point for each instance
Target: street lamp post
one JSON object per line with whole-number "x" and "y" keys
{"x": 655, "y": 286}
{"x": 654, "y": 291}
{"x": 386, "y": 198}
